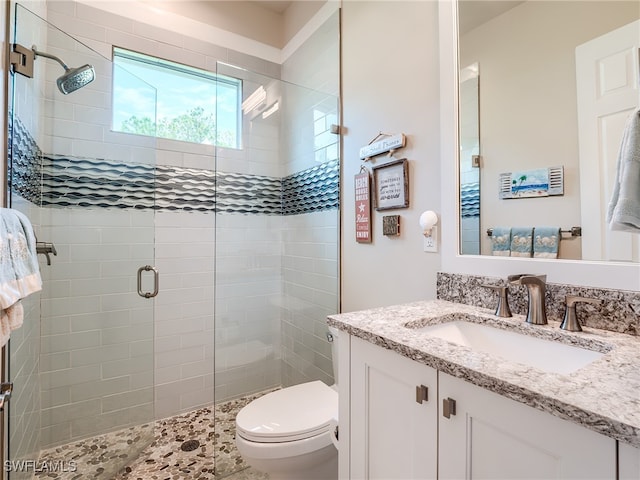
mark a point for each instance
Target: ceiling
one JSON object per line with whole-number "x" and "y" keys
{"x": 473, "y": 13}
{"x": 274, "y": 6}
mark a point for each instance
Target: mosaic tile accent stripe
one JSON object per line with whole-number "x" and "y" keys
{"x": 238, "y": 193}
{"x": 72, "y": 182}
{"x": 63, "y": 181}
{"x": 470, "y": 199}
{"x": 311, "y": 190}
{"x": 27, "y": 160}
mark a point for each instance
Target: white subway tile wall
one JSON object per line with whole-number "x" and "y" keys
{"x": 96, "y": 359}
{"x": 248, "y": 304}
{"x": 184, "y": 335}
{"x": 310, "y": 277}
{"x": 310, "y": 260}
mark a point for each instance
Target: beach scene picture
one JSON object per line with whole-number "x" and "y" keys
{"x": 530, "y": 183}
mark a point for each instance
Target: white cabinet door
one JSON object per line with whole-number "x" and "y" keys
{"x": 392, "y": 436}
{"x": 493, "y": 437}
{"x": 629, "y": 461}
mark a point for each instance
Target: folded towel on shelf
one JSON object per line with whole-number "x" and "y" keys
{"x": 546, "y": 241}
{"x": 521, "y": 241}
{"x": 501, "y": 241}
{"x": 19, "y": 270}
{"x": 623, "y": 213}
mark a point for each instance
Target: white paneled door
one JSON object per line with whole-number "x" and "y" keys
{"x": 607, "y": 75}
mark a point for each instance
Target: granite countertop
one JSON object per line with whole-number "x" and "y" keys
{"x": 603, "y": 396}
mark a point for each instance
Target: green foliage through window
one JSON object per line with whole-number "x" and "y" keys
{"x": 164, "y": 99}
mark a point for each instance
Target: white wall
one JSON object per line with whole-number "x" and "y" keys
{"x": 390, "y": 84}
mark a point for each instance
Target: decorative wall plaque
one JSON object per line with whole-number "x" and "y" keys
{"x": 391, "y": 225}
{"x": 363, "y": 207}
{"x": 391, "y": 185}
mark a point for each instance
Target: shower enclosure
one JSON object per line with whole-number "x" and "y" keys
{"x": 245, "y": 241}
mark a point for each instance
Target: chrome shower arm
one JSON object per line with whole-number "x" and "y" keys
{"x": 48, "y": 55}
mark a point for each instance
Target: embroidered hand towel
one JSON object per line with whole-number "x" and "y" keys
{"x": 546, "y": 241}
{"x": 501, "y": 241}
{"x": 521, "y": 241}
{"x": 19, "y": 270}
{"x": 623, "y": 213}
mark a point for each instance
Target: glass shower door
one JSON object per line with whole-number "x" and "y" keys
{"x": 82, "y": 364}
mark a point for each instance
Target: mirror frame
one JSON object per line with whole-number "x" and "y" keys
{"x": 612, "y": 275}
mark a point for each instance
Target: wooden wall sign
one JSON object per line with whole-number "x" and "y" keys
{"x": 393, "y": 142}
{"x": 363, "y": 207}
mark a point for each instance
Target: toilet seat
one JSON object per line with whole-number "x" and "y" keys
{"x": 293, "y": 413}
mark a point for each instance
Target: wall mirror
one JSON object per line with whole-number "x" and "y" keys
{"x": 545, "y": 84}
{"x": 589, "y": 273}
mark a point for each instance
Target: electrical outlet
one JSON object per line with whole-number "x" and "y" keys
{"x": 431, "y": 241}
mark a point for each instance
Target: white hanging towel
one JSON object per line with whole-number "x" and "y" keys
{"x": 10, "y": 319}
{"x": 19, "y": 270}
{"x": 623, "y": 213}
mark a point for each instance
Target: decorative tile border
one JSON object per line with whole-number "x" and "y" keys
{"x": 311, "y": 190}
{"x": 620, "y": 311}
{"x": 25, "y": 170}
{"x": 470, "y": 200}
{"x": 63, "y": 181}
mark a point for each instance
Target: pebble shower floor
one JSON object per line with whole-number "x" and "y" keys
{"x": 185, "y": 447}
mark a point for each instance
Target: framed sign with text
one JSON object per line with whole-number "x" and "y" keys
{"x": 391, "y": 185}
{"x": 363, "y": 206}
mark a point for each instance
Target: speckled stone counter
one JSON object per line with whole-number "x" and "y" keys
{"x": 603, "y": 396}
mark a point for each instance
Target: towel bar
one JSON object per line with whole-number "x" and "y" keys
{"x": 573, "y": 231}
{"x": 45, "y": 248}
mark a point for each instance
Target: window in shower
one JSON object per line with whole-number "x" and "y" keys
{"x": 192, "y": 105}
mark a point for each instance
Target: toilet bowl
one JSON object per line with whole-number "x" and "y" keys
{"x": 288, "y": 433}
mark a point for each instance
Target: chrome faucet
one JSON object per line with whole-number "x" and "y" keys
{"x": 536, "y": 286}
{"x": 570, "y": 321}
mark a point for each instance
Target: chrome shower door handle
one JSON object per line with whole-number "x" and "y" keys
{"x": 156, "y": 275}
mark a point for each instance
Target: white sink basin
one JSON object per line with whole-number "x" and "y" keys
{"x": 547, "y": 355}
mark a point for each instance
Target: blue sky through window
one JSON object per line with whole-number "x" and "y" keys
{"x": 170, "y": 93}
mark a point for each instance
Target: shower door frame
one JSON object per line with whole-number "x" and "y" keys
{"x": 4, "y": 163}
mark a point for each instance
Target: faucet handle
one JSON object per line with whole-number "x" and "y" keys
{"x": 570, "y": 321}
{"x": 502, "y": 309}
{"x": 525, "y": 278}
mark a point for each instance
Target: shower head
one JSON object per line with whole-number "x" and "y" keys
{"x": 73, "y": 78}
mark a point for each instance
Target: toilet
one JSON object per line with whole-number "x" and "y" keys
{"x": 289, "y": 433}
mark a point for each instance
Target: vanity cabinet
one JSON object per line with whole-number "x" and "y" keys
{"x": 629, "y": 462}
{"x": 399, "y": 432}
{"x": 491, "y": 436}
{"x": 393, "y": 418}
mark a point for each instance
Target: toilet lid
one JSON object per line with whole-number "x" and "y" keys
{"x": 293, "y": 413}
